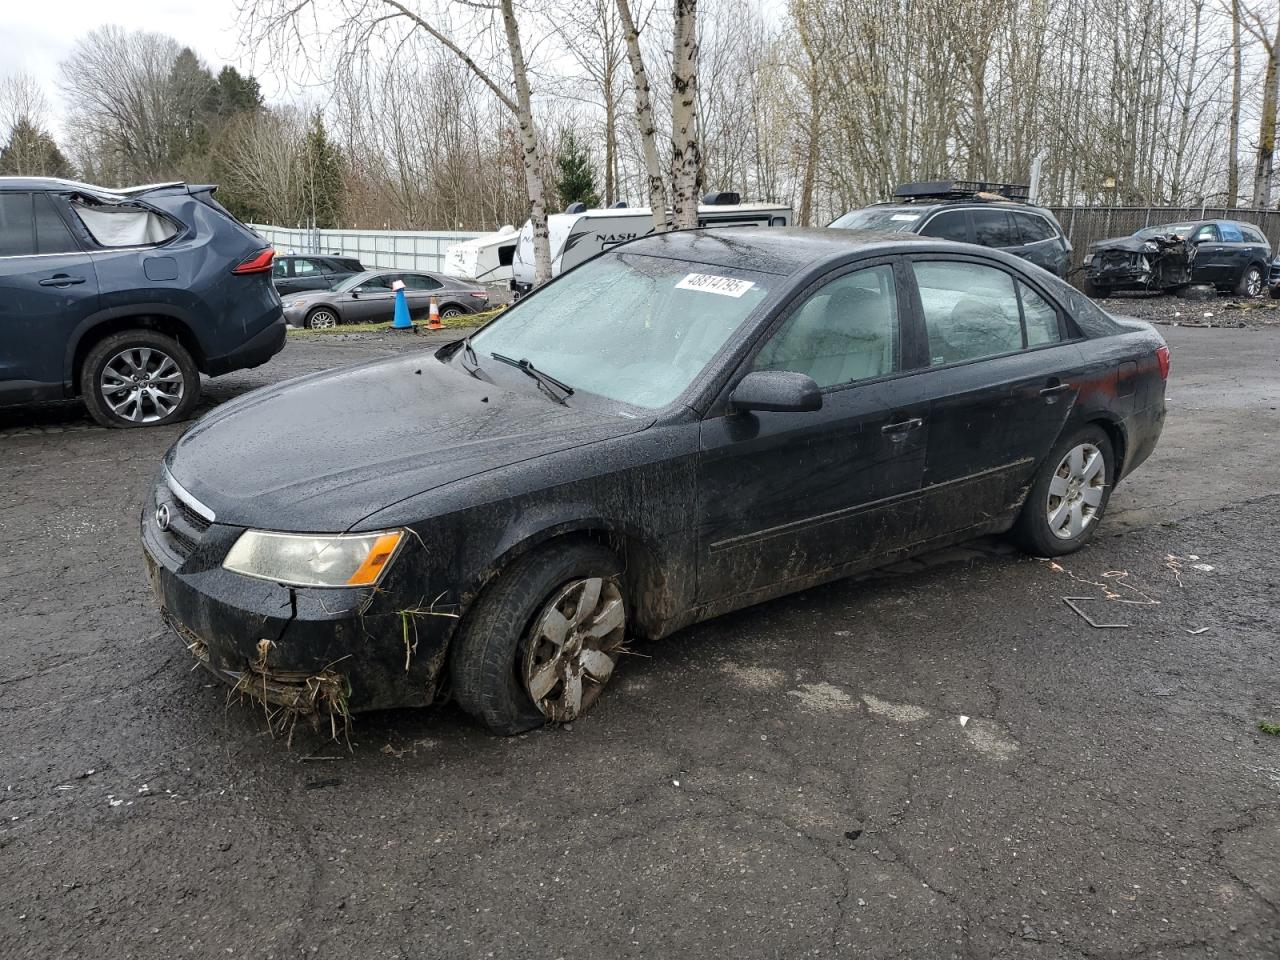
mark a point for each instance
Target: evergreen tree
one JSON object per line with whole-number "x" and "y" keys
{"x": 322, "y": 176}
{"x": 575, "y": 175}
{"x": 31, "y": 152}
{"x": 234, "y": 93}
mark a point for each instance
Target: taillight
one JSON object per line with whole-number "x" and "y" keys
{"x": 480, "y": 294}
{"x": 1162, "y": 358}
{"x": 259, "y": 262}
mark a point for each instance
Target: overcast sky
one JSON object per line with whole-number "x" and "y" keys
{"x": 36, "y": 37}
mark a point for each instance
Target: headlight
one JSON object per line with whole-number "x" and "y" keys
{"x": 307, "y": 560}
{"x": 1088, "y": 259}
{"x": 297, "y": 303}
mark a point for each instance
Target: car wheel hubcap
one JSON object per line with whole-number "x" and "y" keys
{"x": 142, "y": 385}
{"x": 1254, "y": 283}
{"x": 1075, "y": 491}
{"x": 323, "y": 320}
{"x": 573, "y": 647}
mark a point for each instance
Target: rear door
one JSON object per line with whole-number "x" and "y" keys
{"x": 48, "y": 286}
{"x": 948, "y": 225}
{"x": 418, "y": 290}
{"x": 994, "y": 227}
{"x": 1003, "y": 377}
{"x": 786, "y": 496}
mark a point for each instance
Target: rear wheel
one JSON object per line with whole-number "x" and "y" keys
{"x": 542, "y": 642}
{"x": 1252, "y": 283}
{"x": 139, "y": 378}
{"x": 1069, "y": 495}
{"x": 451, "y": 310}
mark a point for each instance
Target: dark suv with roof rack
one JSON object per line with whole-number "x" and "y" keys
{"x": 970, "y": 211}
{"x": 125, "y": 297}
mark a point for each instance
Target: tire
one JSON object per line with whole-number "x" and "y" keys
{"x": 502, "y": 641}
{"x": 451, "y": 310}
{"x": 1253, "y": 282}
{"x": 321, "y": 318}
{"x": 1034, "y": 529}
{"x": 1096, "y": 291}
{"x": 168, "y": 384}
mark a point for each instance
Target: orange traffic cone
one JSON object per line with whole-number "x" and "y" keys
{"x": 433, "y": 319}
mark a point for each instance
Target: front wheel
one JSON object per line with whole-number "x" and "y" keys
{"x": 139, "y": 378}
{"x": 321, "y": 318}
{"x": 1251, "y": 283}
{"x": 1069, "y": 495}
{"x": 542, "y": 642}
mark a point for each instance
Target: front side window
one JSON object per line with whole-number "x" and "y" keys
{"x": 844, "y": 332}
{"x": 1206, "y": 234}
{"x": 952, "y": 225}
{"x": 970, "y": 311}
{"x": 632, "y": 328}
{"x": 306, "y": 268}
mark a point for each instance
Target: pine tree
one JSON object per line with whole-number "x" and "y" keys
{"x": 31, "y": 152}
{"x": 322, "y": 176}
{"x": 575, "y": 175}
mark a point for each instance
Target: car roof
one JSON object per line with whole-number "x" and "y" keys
{"x": 778, "y": 250}
{"x": 945, "y": 204}
{"x": 60, "y": 184}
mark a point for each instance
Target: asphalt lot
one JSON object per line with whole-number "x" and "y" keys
{"x": 792, "y": 780}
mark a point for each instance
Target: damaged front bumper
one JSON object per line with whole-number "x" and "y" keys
{"x": 313, "y": 651}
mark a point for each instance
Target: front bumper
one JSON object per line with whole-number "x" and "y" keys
{"x": 311, "y": 650}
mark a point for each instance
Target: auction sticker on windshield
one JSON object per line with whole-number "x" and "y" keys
{"x": 709, "y": 283}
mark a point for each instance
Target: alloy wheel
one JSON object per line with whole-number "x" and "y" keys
{"x": 1075, "y": 491}
{"x": 573, "y": 647}
{"x": 142, "y": 384}
{"x": 1253, "y": 282}
{"x": 322, "y": 320}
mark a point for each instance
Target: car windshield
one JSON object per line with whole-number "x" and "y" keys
{"x": 896, "y": 220}
{"x": 631, "y": 328}
{"x": 1181, "y": 229}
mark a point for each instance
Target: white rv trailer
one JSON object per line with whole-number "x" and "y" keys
{"x": 579, "y": 234}
{"x": 484, "y": 259}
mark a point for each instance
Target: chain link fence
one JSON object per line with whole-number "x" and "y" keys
{"x": 1086, "y": 225}
{"x": 387, "y": 249}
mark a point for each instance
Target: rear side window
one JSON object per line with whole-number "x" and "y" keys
{"x": 1032, "y": 228}
{"x": 17, "y": 239}
{"x": 994, "y": 228}
{"x": 1230, "y": 233}
{"x": 280, "y": 268}
{"x": 306, "y": 268}
{"x": 951, "y": 225}
{"x": 52, "y": 235}
{"x": 414, "y": 281}
{"x": 970, "y": 311}
{"x": 1039, "y": 317}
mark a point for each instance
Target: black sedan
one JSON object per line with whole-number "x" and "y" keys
{"x": 293, "y": 273}
{"x": 369, "y": 297}
{"x": 688, "y": 424}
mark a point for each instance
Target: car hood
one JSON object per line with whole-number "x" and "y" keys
{"x": 310, "y": 296}
{"x": 320, "y": 453}
{"x": 1130, "y": 244}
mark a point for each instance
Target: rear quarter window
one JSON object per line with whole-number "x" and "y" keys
{"x": 1033, "y": 228}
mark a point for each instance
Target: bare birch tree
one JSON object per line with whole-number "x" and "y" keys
{"x": 686, "y": 159}
{"x": 645, "y": 125}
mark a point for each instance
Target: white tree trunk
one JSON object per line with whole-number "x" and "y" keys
{"x": 529, "y": 144}
{"x": 686, "y": 158}
{"x": 644, "y": 120}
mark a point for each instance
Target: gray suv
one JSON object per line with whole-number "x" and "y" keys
{"x": 988, "y": 214}
{"x": 125, "y": 297}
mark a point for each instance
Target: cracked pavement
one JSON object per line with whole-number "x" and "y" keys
{"x": 791, "y": 780}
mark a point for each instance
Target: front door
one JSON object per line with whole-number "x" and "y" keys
{"x": 1212, "y": 260}
{"x": 786, "y": 496}
{"x": 1003, "y": 381}
{"x": 48, "y": 285}
{"x": 371, "y": 302}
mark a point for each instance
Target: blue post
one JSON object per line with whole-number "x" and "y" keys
{"x": 401, "y": 321}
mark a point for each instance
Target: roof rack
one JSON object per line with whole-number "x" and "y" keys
{"x": 962, "y": 190}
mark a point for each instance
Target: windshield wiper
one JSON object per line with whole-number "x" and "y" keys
{"x": 544, "y": 380}
{"x": 470, "y": 353}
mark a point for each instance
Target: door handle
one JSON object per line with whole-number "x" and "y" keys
{"x": 60, "y": 280}
{"x": 902, "y": 427}
{"x": 1054, "y": 389}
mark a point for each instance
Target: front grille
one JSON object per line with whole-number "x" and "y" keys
{"x": 186, "y": 526}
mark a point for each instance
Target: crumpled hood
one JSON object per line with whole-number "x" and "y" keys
{"x": 1130, "y": 244}
{"x": 322, "y": 452}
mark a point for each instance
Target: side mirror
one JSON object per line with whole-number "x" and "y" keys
{"x": 778, "y": 390}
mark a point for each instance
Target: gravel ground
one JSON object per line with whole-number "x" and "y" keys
{"x": 941, "y": 760}
{"x": 1168, "y": 310}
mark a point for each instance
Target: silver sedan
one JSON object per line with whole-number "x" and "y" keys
{"x": 368, "y": 298}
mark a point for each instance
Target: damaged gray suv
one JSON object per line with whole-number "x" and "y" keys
{"x": 125, "y": 297}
